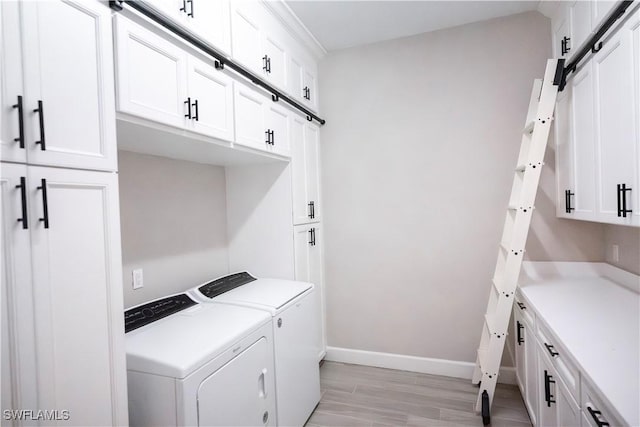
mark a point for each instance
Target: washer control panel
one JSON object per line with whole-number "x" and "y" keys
{"x": 225, "y": 284}
{"x": 142, "y": 315}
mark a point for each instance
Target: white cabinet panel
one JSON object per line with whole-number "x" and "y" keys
{"x": 310, "y": 92}
{"x": 247, "y": 381}
{"x": 277, "y": 121}
{"x": 583, "y": 144}
{"x": 170, "y": 8}
{"x": 561, "y": 25}
{"x": 308, "y": 268}
{"x": 616, "y": 119}
{"x": 564, "y": 154}
{"x": 580, "y": 15}
{"x": 12, "y": 138}
{"x": 246, "y": 37}
{"x": 297, "y": 366}
{"x": 600, "y": 10}
{"x": 151, "y": 75}
{"x": 295, "y": 78}
{"x": 73, "y": 92}
{"x": 312, "y": 161}
{"x": 210, "y": 20}
{"x": 533, "y": 381}
{"x": 275, "y": 51}
{"x": 78, "y": 277}
{"x": 213, "y": 91}
{"x": 249, "y": 117}
{"x": 547, "y": 391}
{"x": 306, "y": 170}
{"x": 568, "y": 412}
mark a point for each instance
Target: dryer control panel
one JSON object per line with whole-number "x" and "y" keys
{"x": 225, "y": 284}
{"x": 142, "y": 315}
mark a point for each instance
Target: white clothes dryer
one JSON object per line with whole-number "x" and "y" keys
{"x": 295, "y": 321}
{"x": 191, "y": 364}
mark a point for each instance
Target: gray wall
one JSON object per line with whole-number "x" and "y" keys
{"x": 174, "y": 224}
{"x": 418, "y": 153}
{"x": 628, "y": 241}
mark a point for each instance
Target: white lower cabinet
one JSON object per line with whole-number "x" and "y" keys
{"x": 308, "y": 268}
{"x": 557, "y": 406}
{"x": 526, "y": 359}
{"x": 70, "y": 334}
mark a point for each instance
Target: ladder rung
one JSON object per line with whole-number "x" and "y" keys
{"x": 515, "y": 207}
{"x": 529, "y": 127}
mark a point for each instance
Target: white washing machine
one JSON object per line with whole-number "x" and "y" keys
{"x": 291, "y": 305}
{"x": 191, "y": 364}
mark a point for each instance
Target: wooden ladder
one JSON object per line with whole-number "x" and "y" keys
{"x": 514, "y": 234}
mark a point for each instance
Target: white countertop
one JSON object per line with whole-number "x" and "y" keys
{"x": 594, "y": 310}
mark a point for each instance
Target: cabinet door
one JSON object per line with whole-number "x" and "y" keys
{"x": 151, "y": 75}
{"x": 213, "y": 92}
{"x": 308, "y": 268}
{"x": 68, "y": 73}
{"x": 312, "y": 160}
{"x": 170, "y": 8}
{"x": 561, "y": 32}
{"x": 299, "y": 171}
{"x": 19, "y": 387}
{"x": 616, "y": 119}
{"x": 277, "y": 120}
{"x": 274, "y": 49}
{"x": 77, "y": 278}
{"x": 531, "y": 357}
{"x": 309, "y": 85}
{"x": 295, "y": 78}
{"x": 547, "y": 391}
{"x": 296, "y": 362}
{"x": 12, "y": 138}
{"x": 241, "y": 392}
{"x": 211, "y": 21}
{"x": 521, "y": 355}
{"x": 564, "y": 154}
{"x": 583, "y": 144}
{"x": 568, "y": 411}
{"x": 580, "y": 15}
{"x": 249, "y": 117}
{"x": 246, "y": 36}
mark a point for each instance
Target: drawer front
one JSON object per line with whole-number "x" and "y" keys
{"x": 594, "y": 410}
{"x": 558, "y": 355}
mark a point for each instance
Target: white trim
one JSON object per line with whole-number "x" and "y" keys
{"x": 424, "y": 365}
{"x": 296, "y": 28}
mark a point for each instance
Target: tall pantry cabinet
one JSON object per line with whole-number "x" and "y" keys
{"x": 62, "y": 326}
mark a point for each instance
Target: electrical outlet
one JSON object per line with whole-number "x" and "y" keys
{"x": 137, "y": 278}
{"x": 615, "y": 253}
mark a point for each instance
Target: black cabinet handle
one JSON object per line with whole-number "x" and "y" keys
{"x": 195, "y": 106}
{"x": 23, "y": 197}
{"x": 551, "y": 349}
{"x": 564, "y": 45}
{"x": 519, "y": 333}
{"x": 191, "y": 12}
{"x": 269, "y": 135}
{"x": 188, "y": 104}
{"x": 20, "y": 137}
{"x": 312, "y": 209}
{"x": 548, "y": 397}
{"x": 266, "y": 63}
{"x": 596, "y": 417}
{"x": 45, "y": 205}
{"x": 40, "y": 110}
{"x": 521, "y": 305}
{"x": 622, "y": 200}
{"x": 567, "y": 201}
{"x": 312, "y": 236}
{"x": 184, "y": 6}
{"x": 307, "y": 93}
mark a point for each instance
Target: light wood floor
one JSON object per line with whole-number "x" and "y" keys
{"x": 354, "y": 395}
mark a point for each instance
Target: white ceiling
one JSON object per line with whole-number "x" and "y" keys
{"x": 338, "y": 24}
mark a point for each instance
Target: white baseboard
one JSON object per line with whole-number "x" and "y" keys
{"x": 424, "y": 365}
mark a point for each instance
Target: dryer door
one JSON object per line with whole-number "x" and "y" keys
{"x": 240, "y": 393}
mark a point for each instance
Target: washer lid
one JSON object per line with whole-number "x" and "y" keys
{"x": 271, "y": 294}
{"x": 181, "y": 343}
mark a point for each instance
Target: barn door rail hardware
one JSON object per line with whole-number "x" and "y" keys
{"x": 593, "y": 44}
{"x": 177, "y": 30}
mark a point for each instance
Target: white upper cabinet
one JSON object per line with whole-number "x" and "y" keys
{"x": 581, "y": 23}
{"x": 616, "y": 125}
{"x": 277, "y": 121}
{"x": 276, "y": 57}
{"x": 211, "y": 94}
{"x": 303, "y": 80}
{"x": 160, "y": 81}
{"x": 151, "y": 74}
{"x": 561, "y": 26}
{"x": 67, "y": 100}
{"x": 305, "y": 171}
{"x": 207, "y": 19}
{"x": 564, "y": 155}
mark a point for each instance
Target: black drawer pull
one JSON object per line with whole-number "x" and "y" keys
{"x": 519, "y": 334}
{"x": 40, "y": 110}
{"x": 266, "y": 63}
{"x": 269, "y": 135}
{"x": 552, "y": 351}
{"x": 188, "y": 104}
{"x": 20, "y": 137}
{"x": 548, "y": 397}
{"x": 191, "y": 4}
{"x": 564, "y": 45}
{"x": 195, "y": 106}
{"x": 596, "y": 417}
{"x": 23, "y": 197}
{"x": 312, "y": 209}
{"x": 622, "y": 200}
{"x": 521, "y": 305}
{"x": 312, "y": 236}
{"x": 45, "y": 207}
{"x": 567, "y": 201}
{"x": 306, "y": 93}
